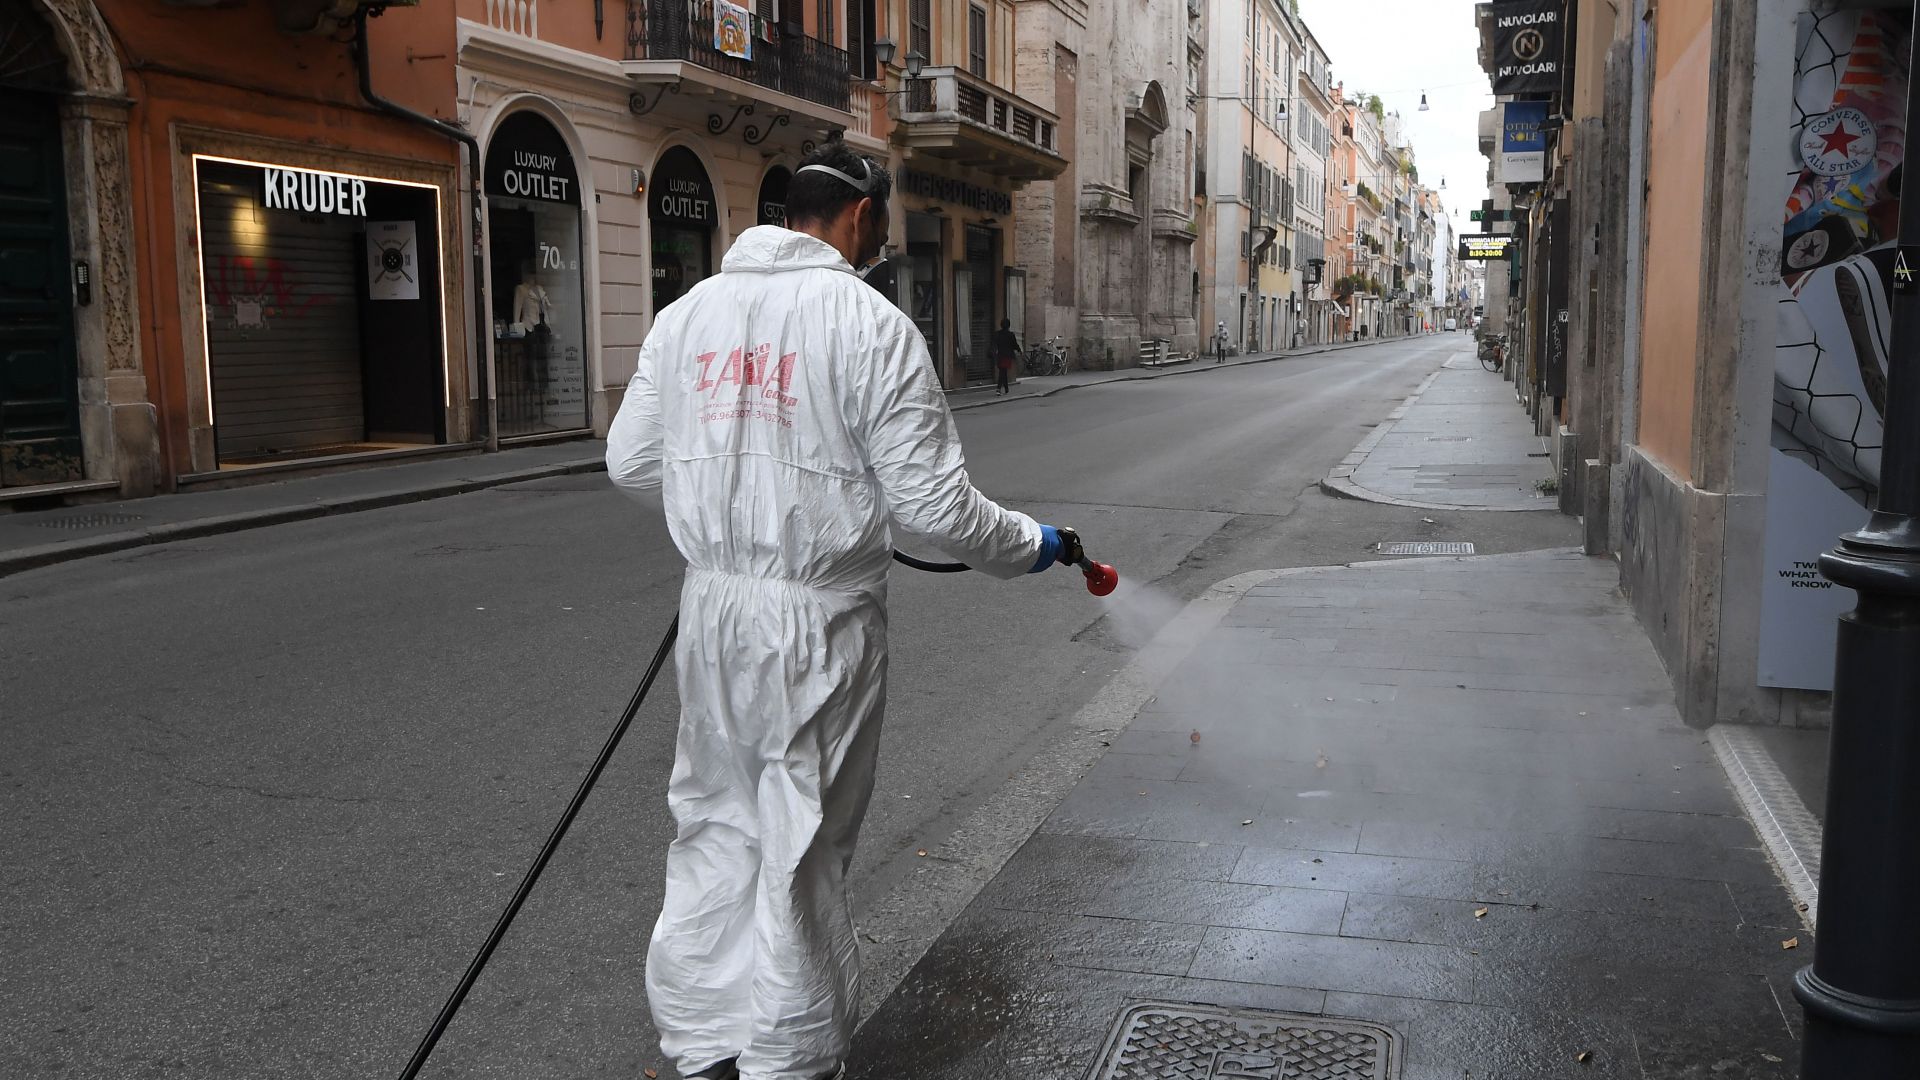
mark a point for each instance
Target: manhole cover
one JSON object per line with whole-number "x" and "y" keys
{"x": 92, "y": 520}
{"x": 1158, "y": 1041}
{"x": 1425, "y": 547}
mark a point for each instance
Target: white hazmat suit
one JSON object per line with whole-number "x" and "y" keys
{"x": 788, "y": 418}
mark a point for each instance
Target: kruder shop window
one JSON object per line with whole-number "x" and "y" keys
{"x": 323, "y": 311}
{"x": 539, "y": 309}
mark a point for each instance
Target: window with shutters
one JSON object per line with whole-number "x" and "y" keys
{"x": 920, "y": 29}
{"x": 977, "y": 41}
{"x": 823, "y": 22}
{"x": 860, "y": 40}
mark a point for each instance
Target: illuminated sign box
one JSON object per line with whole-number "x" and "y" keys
{"x": 1483, "y": 248}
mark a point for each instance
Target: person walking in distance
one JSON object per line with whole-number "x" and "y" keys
{"x": 1005, "y": 348}
{"x": 788, "y": 419}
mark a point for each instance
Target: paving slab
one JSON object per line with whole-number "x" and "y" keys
{"x": 1549, "y": 879}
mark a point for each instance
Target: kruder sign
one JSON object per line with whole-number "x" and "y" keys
{"x": 1526, "y": 46}
{"x": 1484, "y": 247}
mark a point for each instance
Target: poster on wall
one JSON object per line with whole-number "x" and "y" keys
{"x": 1523, "y": 142}
{"x": 1831, "y": 347}
{"x": 393, "y": 271}
{"x": 732, "y": 30}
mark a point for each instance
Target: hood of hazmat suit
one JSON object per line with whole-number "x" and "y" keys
{"x": 787, "y": 419}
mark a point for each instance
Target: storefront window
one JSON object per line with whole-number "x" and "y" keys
{"x": 322, "y": 301}
{"x": 921, "y": 289}
{"x": 1017, "y": 302}
{"x": 539, "y": 308}
{"x": 976, "y": 306}
{"x": 773, "y": 197}
{"x": 682, "y": 214}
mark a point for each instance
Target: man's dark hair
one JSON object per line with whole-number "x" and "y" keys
{"x": 818, "y": 197}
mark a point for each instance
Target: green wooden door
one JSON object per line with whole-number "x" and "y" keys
{"x": 39, "y": 384}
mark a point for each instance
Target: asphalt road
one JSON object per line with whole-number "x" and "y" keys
{"x": 265, "y": 792}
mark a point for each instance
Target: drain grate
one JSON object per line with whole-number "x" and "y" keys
{"x": 1162, "y": 1041}
{"x": 95, "y": 519}
{"x": 1424, "y": 547}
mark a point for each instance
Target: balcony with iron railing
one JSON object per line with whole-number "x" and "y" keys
{"x": 782, "y": 58}
{"x": 950, "y": 113}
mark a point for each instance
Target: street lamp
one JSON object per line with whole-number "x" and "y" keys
{"x": 1423, "y": 101}
{"x": 1861, "y": 994}
{"x": 883, "y": 51}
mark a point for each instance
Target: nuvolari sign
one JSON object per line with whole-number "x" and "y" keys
{"x": 1483, "y": 248}
{"x": 1526, "y": 46}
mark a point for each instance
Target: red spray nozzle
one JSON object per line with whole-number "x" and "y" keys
{"x": 1102, "y": 579}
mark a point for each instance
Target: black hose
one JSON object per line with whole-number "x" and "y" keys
{"x": 520, "y": 894}
{"x": 930, "y": 567}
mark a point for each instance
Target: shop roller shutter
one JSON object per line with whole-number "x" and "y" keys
{"x": 283, "y": 325}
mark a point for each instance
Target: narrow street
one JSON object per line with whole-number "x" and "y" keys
{"x": 268, "y": 847}
{"x": 1503, "y": 429}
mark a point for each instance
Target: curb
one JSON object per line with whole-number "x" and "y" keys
{"x": 31, "y": 558}
{"x": 1788, "y": 830}
{"x": 1164, "y": 374}
{"x": 1338, "y": 483}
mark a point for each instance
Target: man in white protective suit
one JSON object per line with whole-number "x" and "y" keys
{"x": 788, "y": 418}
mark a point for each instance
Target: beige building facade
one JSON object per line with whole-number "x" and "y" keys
{"x": 1109, "y": 243}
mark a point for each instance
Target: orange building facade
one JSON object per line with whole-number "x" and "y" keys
{"x": 227, "y": 192}
{"x": 294, "y": 234}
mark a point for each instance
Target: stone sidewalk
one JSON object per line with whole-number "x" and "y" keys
{"x": 1451, "y": 797}
{"x": 40, "y": 538}
{"x": 1460, "y": 442}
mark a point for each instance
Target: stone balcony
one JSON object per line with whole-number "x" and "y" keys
{"x": 954, "y": 115}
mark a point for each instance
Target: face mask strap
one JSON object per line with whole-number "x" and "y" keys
{"x": 864, "y": 185}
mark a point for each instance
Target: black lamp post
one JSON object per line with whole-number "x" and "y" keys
{"x": 1861, "y": 994}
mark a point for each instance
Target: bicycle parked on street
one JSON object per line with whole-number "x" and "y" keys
{"x": 1047, "y": 358}
{"x": 1493, "y": 352}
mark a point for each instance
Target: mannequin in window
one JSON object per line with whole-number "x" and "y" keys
{"x": 531, "y": 307}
